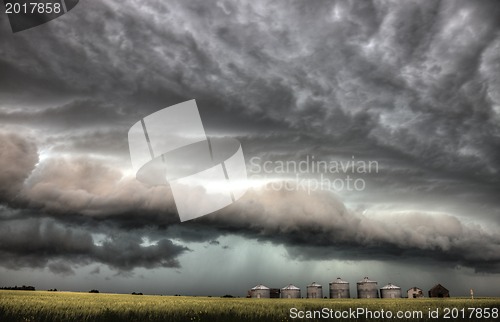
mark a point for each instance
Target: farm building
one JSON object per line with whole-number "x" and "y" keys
{"x": 290, "y": 292}
{"x": 260, "y": 291}
{"x": 415, "y": 292}
{"x": 339, "y": 289}
{"x": 314, "y": 291}
{"x": 367, "y": 289}
{"x": 390, "y": 291}
{"x": 439, "y": 291}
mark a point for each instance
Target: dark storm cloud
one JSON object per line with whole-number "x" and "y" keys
{"x": 42, "y": 242}
{"x": 103, "y": 141}
{"x": 414, "y": 77}
{"x": 60, "y": 267}
{"x": 95, "y": 189}
{"x": 130, "y": 54}
{"x": 96, "y": 270}
{"x": 76, "y": 189}
{"x": 412, "y": 84}
{"x": 72, "y": 189}
{"x": 89, "y": 188}
{"x": 18, "y": 157}
{"x": 79, "y": 114}
{"x": 318, "y": 226}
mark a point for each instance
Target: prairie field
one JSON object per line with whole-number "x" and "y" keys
{"x": 68, "y": 306}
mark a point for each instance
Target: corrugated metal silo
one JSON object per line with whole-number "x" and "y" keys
{"x": 290, "y": 292}
{"x": 390, "y": 291}
{"x": 314, "y": 291}
{"x": 367, "y": 289}
{"x": 339, "y": 289}
{"x": 260, "y": 291}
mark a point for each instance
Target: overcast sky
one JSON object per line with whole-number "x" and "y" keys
{"x": 411, "y": 85}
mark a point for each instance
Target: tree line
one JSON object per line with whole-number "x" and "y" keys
{"x": 18, "y": 288}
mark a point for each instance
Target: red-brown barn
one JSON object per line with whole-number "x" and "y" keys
{"x": 439, "y": 291}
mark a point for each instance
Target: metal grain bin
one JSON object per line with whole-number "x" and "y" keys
{"x": 390, "y": 291}
{"x": 314, "y": 291}
{"x": 339, "y": 289}
{"x": 290, "y": 292}
{"x": 367, "y": 289}
{"x": 260, "y": 291}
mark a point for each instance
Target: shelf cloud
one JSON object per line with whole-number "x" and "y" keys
{"x": 411, "y": 85}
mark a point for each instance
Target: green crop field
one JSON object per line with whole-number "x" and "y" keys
{"x": 65, "y": 306}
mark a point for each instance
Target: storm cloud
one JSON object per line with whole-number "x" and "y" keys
{"x": 303, "y": 221}
{"x": 412, "y": 85}
{"x": 42, "y": 242}
{"x": 17, "y": 159}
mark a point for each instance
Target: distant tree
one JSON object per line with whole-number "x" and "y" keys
{"x": 228, "y": 296}
{"x": 134, "y": 293}
{"x": 18, "y": 288}
{"x": 94, "y": 291}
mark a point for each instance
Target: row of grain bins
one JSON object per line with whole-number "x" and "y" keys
{"x": 339, "y": 288}
{"x": 288, "y": 292}
{"x": 368, "y": 289}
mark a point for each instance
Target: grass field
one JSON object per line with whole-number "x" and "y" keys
{"x": 65, "y": 306}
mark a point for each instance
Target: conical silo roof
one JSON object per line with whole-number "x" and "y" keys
{"x": 290, "y": 287}
{"x": 339, "y": 281}
{"x": 260, "y": 287}
{"x": 366, "y": 280}
{"x": 391, "y": 286}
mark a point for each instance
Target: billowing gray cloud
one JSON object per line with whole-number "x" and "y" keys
{"x": 364, "y": 74}
{"x": 413, "y": 85}
{"x": 18, "y": 157}
{"x": 320, "y": 220}
{"x": 42, "y": 242}
{"x": 91, "y": 187}
{"x": 70, "y": 188}
{"x": 76, "y": 115}
{"x": 404, "y": 76}
{"x": 61, "y": 267}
